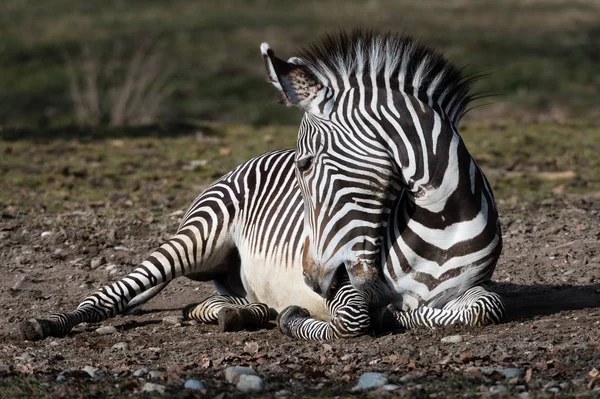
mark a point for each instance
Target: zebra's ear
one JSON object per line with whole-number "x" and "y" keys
{"x": 296, "y": 84}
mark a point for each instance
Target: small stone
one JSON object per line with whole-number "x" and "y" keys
{"x": 85, "y": 286}
{"x": 46, "y": 234}
{"x": 26, "y": 357}
{"x": 111, "y": 268}
{"x": 106, "y": 330}
{"x": 370, "y": 380}
{"x": 250, "y": 383}
{"x": 58, "y": 251}
{"x": 452, "y": 339}
{"x": 97, "y": 262}
{"x": 406, "y": 378}
{"x": 194, "y": 385}
{"x": 61, "y": 378}
{"x": 390, "y": 387}
{"x": 511, "y": 372}
{"x": 54, "y": 343}
{"x": 142, "y": 371}
{"x": 123, "y": 249}
{"x": 283, "y": 393}
{"x": 150, "y": 387}
{"x": 233, "y": 374}
{"x": 123, "y": 346}
{"x": 90, "y": 370}
{"x": 155, "y": 374}
{"x": 497, "y": 388}
{"x": 523, "y": 395}
{"x": 172, "y": 320}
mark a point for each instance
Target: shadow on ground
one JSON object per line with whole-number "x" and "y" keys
{"x": 528, "y": 301}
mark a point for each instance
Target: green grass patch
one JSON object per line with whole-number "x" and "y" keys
{"x": 164, "y": 168}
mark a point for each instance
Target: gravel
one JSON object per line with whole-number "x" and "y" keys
{"x": 106, "y": 330}
{"x": 123, "y": 346}
{"x": 452, "y": 339}
{"x": 194, "y": 385}
{"x": 250, "y": 383}
{"x": 233, "y": 374}
{"x": 151, "y": 387}
{"x": 370, "y": 381}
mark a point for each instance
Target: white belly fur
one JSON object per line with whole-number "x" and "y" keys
{"x": 280, "y": 287}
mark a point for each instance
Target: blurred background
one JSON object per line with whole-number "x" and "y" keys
{"x": 65, "y": 62}
{"x": 140, "y": 104}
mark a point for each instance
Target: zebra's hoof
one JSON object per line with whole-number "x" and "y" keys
{"x": 35, "y": 329}
{"x": 231, "y": 319}
{"x": 286, "y": 317}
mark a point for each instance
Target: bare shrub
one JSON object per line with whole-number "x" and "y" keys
{"x": 119, "y": 89}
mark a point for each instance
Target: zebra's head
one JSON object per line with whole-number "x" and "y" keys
{"x": 362, "y": 94}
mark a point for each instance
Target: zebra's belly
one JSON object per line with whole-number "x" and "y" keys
{"x": 279, "y": 287}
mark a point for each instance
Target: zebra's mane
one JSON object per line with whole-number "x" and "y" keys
{"x": 407, "y": 65}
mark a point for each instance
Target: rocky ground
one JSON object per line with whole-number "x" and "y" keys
{"x": 76, "y": 215}
{"x": 550, "y": 344}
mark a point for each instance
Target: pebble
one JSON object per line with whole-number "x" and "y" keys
{"x": 90, "y": 370}
{"x": 54, "y": 343}
{"x": 46, "y": 234}
{"x": 509, "y": 372}
{"x": 106, "y": 330}
{"x": 497, "y": 388}
{"x": 250, "y": 383}
{"x": 194, "y": 385}
{"x": 111, "y": 268}
{"x": 406, "y": 378}
{"x": 142, "y": 371}
{"x": 452, "y": 339}
{"x": 155, "y": 374}
{"x": 233, "y": 374}
{"x": 390, "y": 387}
{"x": 523, "y": 395}
{"x": 97, "y": 262}
{"x": 124, "y": 346}
{"x": 85, "y": 286}
{"x": 370, "y": 380}
{"x": 61, "y": 378}
{"x": 172, "y": 320}
{"x": 283, "y": 393}
{"x": 58, "y": 251}
{"x": 150, "y": 387}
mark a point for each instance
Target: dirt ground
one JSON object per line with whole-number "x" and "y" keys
{"x": 549, "y": 275}
{"x": 77, "y": 213}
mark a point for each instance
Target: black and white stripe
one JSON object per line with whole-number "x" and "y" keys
{"x": 380, "y": 191}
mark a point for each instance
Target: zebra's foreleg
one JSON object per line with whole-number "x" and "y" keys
{"x": 157, "y": 270}
{"x": 476, "y": 307}
{"x": 349, "y": 317}
{"x": 232, "y": 313}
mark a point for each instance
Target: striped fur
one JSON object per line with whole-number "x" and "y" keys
{"x": 380, "y": 191}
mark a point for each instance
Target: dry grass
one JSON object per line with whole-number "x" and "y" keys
{"x": 120, "y": 90}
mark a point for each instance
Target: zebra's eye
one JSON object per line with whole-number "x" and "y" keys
{"x": 304, "y": 164}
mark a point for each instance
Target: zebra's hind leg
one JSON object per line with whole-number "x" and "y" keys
{"x": 475, "y": 307}
{"x": 478, "y": 307}
{"x": 232, "y": 313}
{"x": 349, "y": 318}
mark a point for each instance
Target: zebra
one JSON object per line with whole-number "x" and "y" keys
{"x": 379, "y": 212}
{"x": 393, "y": 201}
